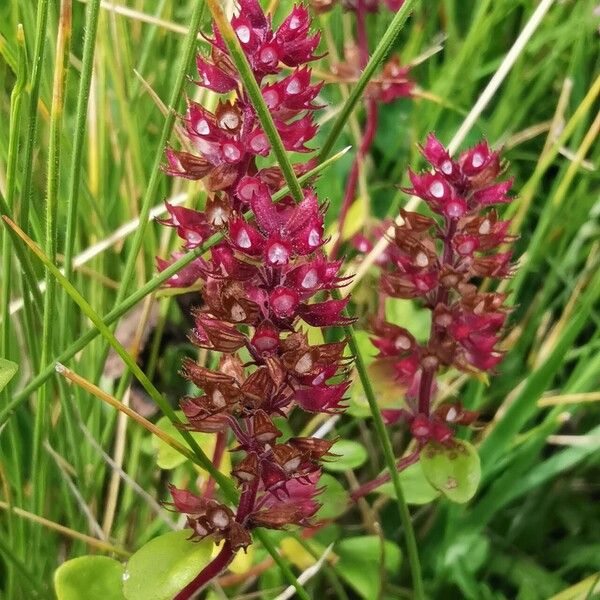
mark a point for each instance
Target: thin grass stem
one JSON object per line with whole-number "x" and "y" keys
{"x": 83, "y": 95}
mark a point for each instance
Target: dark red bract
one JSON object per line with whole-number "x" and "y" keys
{"x": 439, "y": 260}
{"x": 261, "y": 285}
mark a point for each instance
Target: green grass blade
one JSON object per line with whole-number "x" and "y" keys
{"x": 83, "y": 94}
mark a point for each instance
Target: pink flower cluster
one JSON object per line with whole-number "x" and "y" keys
{"x": 439, "y": 259}
{"x": 267, "y": 276}
{"x": 227, "y": 142}
{"x": 259, "y": 283}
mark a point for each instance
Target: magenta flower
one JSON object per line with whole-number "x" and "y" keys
{"x": 267, "y": 276}
{"x": 258, "y": 284}
{"x": 436, "y": 259}
{"x": 227, "y": 142}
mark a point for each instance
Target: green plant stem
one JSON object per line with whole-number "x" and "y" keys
{"x": 28, "y": 274}
{"x": 124, "y": 306}
{"x": 54, "y": 157}
{"x": 381, "y": 51}
{"x": 13, "y": 153}
{"x": 390, "y": 461}
{"x": 34, "y": 96}
{"x": 150, "y": 193}
{"x": 253, "y": 90}
{"x": 263, "y": 537}
{"x": 28, "y": 278}
{"x": 83, "y": 95}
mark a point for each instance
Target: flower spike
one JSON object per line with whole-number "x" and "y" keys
{"x": 261, "y": 284}
{"x": 437, "y": 260}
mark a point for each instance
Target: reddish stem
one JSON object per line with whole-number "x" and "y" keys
{"x": 212, "y": 570}
{"x": 220, "y": 443}
{"x": 367, "y": 488}
{"x": 365, "y": 146}
{"x": 361, "y": 32}
{"x": 370, "y": 127}
{"x": 441, "y": 297}
{"x": 219, "y": 563}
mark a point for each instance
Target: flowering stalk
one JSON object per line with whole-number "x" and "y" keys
{"x": 439, "y": 259}
{"x": 393, "y": 83}
{"x": 380, "y": 52}
{"x": 370, "y": 486}
{"x": 266, "y": 275}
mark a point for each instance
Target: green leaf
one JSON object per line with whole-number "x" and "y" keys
{"x": 351, "y": 455}
{"x": 388, "y": 392}
{"x": 334, "y": 498}
{"x": 169, "y": 458}
{"x": 8, "y": 369}
{"x": 360, "y": 559}
{"x": 403, "y": 312}
{"x": 164, "y": 566}
{"x": 416, "y": 488}
{"x": 454, "y": 470}
{"x": 89, "y": 577}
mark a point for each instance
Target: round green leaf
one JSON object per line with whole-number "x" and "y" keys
{"x": 89, "y": 577}
{"x": 454, "y": 470}
{"x": 360, "y": 559}
{"x": 401, "y": 312}
{"x": 169, "y": 458}
{"x": 416, "y": 488}
{"x": 334, "y": 498}
{"x": 384, "y": 381}
{"x": 8, "y": 369}
{"x": 164, "y": 566}
{"x": 350, "y": 455}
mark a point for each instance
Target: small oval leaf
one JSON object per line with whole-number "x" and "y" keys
{"x": 334, "y": 498}
{"x": 360, "y": 561}
{"x": 89, "y": 577}
{"x": 416, "y": 488}
{"x": 350, "y": 455}
{"x": 164, "y": 566}
{"x": 8, "y": 369}
{"x": 454, "y": 469}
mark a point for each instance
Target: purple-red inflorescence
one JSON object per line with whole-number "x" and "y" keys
{"x": 439, "y": 259}
{"x": 227, "y": 142}
{"x": 267, "y": 276}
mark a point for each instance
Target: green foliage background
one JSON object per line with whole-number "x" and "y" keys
{"x": 532, "y": 529}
